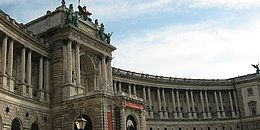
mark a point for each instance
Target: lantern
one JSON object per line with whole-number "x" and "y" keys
{"x": 80, "y": 123}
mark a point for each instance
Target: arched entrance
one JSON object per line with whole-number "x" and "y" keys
{"x": 131, "y": 123}
{"x": 34, "y": 126}
{"x": 15, "y": 125}
{"x": 88, "y": 125}
{"x": 87, "y": 72}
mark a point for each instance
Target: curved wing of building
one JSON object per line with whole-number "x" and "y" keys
{"x": 56, "y": 74}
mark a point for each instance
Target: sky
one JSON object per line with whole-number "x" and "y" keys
{"x": 199, "y": 39}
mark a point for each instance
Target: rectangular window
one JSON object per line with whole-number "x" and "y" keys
{"x": 250, "y": 92}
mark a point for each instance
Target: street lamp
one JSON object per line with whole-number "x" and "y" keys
{"x": 80, "y": 123}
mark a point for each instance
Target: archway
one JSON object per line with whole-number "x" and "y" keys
{"x": 131, "y": 123}
{"x": 34, "y": 126}
{"x": 87, "y": 72}
{"x": 15, "y": 125}
{"x": 88, "y": 125}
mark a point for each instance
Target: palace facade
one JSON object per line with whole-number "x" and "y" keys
{"x": 57, "y": 69}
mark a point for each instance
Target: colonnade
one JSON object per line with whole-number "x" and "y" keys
{"x": 24, "y": 78}
{"x": 72, "y": 70}
{"x": 180, "y": 103}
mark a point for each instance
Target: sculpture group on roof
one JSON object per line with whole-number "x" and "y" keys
{"x": 72, "y": 18}
{"x": 102, "y": 35}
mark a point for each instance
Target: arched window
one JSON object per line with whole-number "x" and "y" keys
{"x": 252, "y": 108}
{"x": 34, "y": 126}
{"x": 88, "y": 125}
{"x": 15, "y": 125}
{"x": 131, "y": 123}
{"x": 87, "y": 73}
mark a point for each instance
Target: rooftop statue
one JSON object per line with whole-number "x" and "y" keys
{"x": 102, "y": 35}
{"x": 84, "y": 13}
{"x": 96, "y": 22}
{"x": 63, "y": 2}
{"x": 108, "y": 35}
{"x": 71, "y": 17}
{"x": 256, "y": 67}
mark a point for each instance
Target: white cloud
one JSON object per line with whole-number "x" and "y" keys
{"x": 117, "y": 9}
{"x": 233, "y": 4}
{"x": 198, "y": 51}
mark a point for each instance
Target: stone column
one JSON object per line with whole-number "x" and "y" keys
{"x": 119, "y": 86}
{"x": 10, "y": 65}
{"x": 40, "y": 91}
{"x": 221, "y": 105}
{"x": 100, "y": 83}
{"x": 69, "y": 62}
{"x": 164, "y": 105}
{"x": 22, "y": 83}
{"x": 194, "y": 113}
{"x": 150, "y": 103}
{"x": 159, "y": 104}
{"x": 207, "y": 103}
{"x": 3, "y": 67}
{"x": 174, "y": 106}
{"x": 144, "y": 94}
{"x": 217, "y": 107}
{"x": 129, "y": 90}
{"x": 104, "y": 70}
{"x": 179, "y": 106}
{"x": 143, "y": 120}
{"x": 4, "y": 55}
{"x": 235, "y": 99}
{"x": 188, "y": 105}
{"x": 29, "y": 73}
{"x": 115, "y": 86}
{"x": 65, "y": 62}
{"x": 231, "y": 104}
{"x": 109, "y": 73}
{"x": 46, "y": 78}
{"x": 202, "y": 106}
{"x": 123, "y": 118}
{"x": 134, "y": 87}
{"x": 77, "y": 60}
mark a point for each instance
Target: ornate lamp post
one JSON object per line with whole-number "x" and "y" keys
{"x": 80, "y": 123}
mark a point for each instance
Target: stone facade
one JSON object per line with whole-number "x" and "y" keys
{"x": 53, "y": 72}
